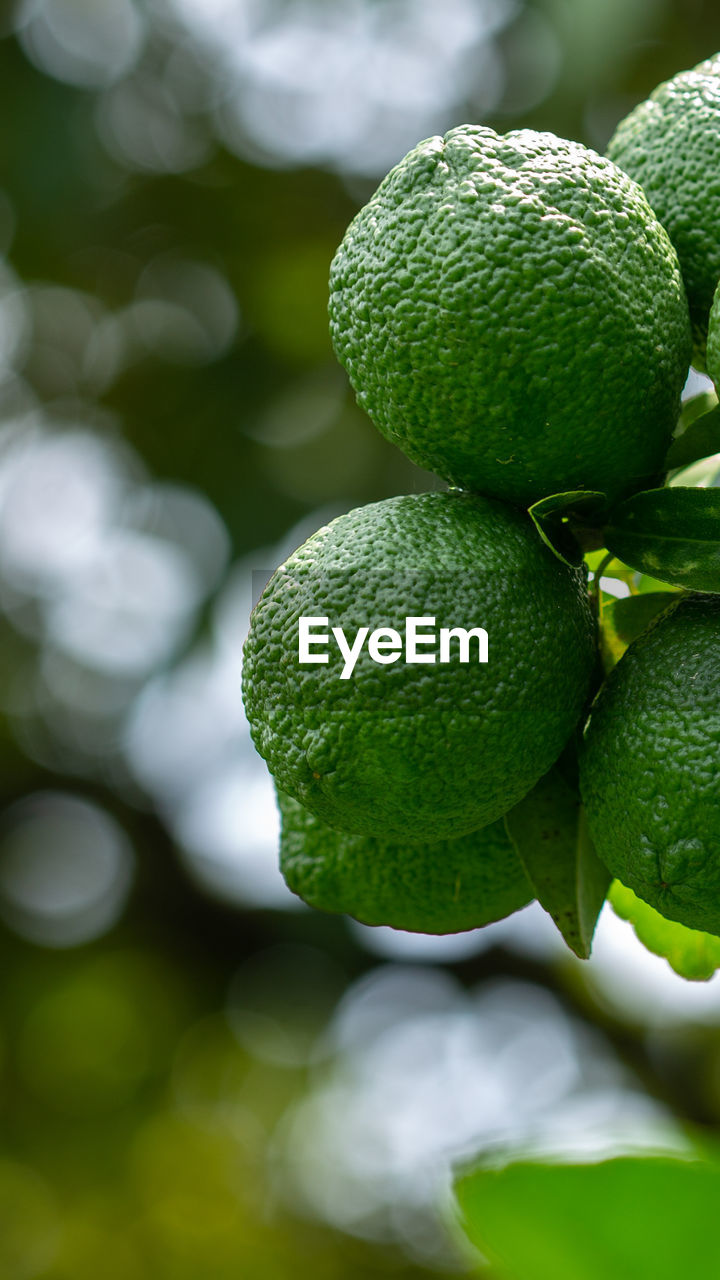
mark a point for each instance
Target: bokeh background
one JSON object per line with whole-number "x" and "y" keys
{"x": 200, "y": 1077}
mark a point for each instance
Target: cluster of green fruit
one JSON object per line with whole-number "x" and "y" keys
{"x": 518, "y": 314}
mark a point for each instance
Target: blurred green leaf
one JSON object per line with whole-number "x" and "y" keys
{"x": 626, "y": 1218}
{"x": 550, "y": 516}
{"x": 622, "y": 621}
{"x": 671, "y": 534}
{"x": 595, "y": 559}
{"x": 549, "y": 831}
{"x": 699, "y": 440}
{"x": 692, "y": 954}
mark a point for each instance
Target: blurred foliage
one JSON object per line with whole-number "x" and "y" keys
{"x": 198, "y": 1077}
{"x": 633, "y": 1217}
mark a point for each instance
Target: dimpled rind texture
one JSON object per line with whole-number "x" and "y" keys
{"x": 713, "y": 340}
{"x": 650, "y": 765}
{"x": 670, "y": 144}
{"x": 423, "y": 751}
{"x": 444, "y": 887}
{"x": 511, "y": 314}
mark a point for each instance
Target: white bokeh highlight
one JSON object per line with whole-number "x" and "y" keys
{"x": 66, "y": 870}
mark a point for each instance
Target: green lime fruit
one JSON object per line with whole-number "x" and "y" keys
{"x": 430, "y": 747}
{"x": 713, "y": 340}
{"x": 670, "y": 144}
{"x": 447, "y": 886}
{"x": 649, "y": 767}
{"x": 511, "y": 314}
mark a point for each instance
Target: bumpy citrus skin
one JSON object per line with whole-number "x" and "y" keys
{"x": 650, "y": 765}
{"x": 444, "y": 887}
{"x": 670, "y": 144}
{"x": 713, "y": 340}
{"x": 420, "y": 751}
{"x": 511, "y": 315}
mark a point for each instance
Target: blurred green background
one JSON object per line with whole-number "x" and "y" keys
{"x": 201, "y": 1078}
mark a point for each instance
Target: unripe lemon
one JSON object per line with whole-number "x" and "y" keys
{"x": 650, "y": 765}
{"x": 444, "y": 887}
{"x": 425, "y": 749}
{"x": 670, "y": 144}
{"x": 511, "y": 314}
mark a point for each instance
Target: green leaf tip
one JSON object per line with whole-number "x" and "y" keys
{"x": 549, "y": 831}
{"x": 553, "y": 519}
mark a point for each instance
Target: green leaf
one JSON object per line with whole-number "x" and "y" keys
{"x": 594, "y": 559}
{"x": 704, "y": 474}
{"x": 694, "y": 408}
{"x": 551, "y": 516}
{"x": 627, "y": 1218}
{"x": 671, "y": 534}
{"x": 549, "y": 832}
{"x": 622, "y": 621}
{"x": 701, "y": 438}
{"x": 692, "y": 954}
